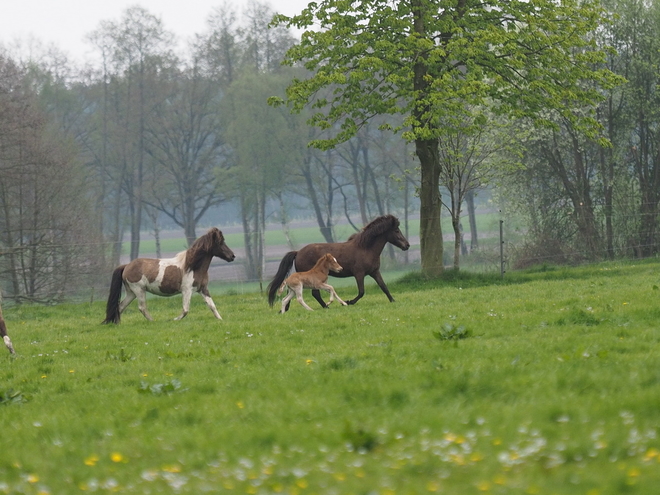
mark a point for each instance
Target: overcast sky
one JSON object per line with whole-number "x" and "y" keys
{"x": 65, "y": 23}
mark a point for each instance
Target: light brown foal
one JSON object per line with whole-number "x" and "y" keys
{"x": 313, "y": 279}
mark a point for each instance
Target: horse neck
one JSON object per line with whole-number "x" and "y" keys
{"x": 379, "y": 243}
{"x": 204, "y": 263}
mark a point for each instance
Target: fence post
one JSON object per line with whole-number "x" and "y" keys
{"x": 502, "y": 271}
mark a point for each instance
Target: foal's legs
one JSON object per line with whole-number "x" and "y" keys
{"x": 299, "y": 290}
{"x": 333, "y": 294}
{"x": 286, "y": 301}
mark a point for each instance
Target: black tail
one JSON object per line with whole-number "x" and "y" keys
{"x": 282, "y": 272}
{"x": 112, "y": 308}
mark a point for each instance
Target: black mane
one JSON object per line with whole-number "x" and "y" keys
{"x": 374, "y": 229}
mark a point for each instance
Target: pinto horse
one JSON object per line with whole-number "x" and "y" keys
{"x": 3, "y": 332}
{"x": 188, "y": 270}
{"x": 316, "y": 278}
{"x": 359, "y": 256}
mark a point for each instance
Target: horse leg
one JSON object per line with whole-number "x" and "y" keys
{"x": 186, "y": 292}
{"x": 299, "y": 297}
{"x": 204, "y": 291}
{"x": 142, "y": 304}
{"x": 317, "y": 295}
{"x": 381, "y": 283}
{"x": 128, "y": 299}
{"x": 333, "y": 294}
{"x": 5, "y": 337}
{"x": 286, "y": 301}
{"x": 360, "y": 283}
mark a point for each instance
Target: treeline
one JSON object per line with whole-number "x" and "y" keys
{"x": 92, "y": 156}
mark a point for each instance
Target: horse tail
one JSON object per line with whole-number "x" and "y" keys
{"x": 282, "y": 272}
{"x": 112, "y": 314}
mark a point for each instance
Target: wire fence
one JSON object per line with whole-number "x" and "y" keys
{"x": 503, "y": 245}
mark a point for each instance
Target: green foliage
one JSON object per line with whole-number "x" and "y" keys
{"x": 449, "y": 331}
{"x": 555, "y": 391}
{"x": 12, "y": 397}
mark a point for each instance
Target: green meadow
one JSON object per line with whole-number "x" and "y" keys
{"x": 546, "y": 382}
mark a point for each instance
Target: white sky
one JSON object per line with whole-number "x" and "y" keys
{"x": 64, "y": 23}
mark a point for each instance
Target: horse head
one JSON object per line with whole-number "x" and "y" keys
{"x": 332, "y": 263}
{"x": 396, "y": 237}
{"x": 219, "y": 248}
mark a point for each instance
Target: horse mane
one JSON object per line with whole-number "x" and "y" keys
{"x": 374, "y": 229}
{"x": 201, "y": 248}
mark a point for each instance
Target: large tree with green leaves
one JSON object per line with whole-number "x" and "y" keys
{"x": 429, "y": 60}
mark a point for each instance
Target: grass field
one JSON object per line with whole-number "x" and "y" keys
{"x": 547, "y": 382}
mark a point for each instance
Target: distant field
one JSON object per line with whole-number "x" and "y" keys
{"x": 547, "y": 382}
{"x": 487, "y": 224}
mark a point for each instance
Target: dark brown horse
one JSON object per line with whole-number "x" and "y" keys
{"x": 3, "y": 331}
{"x": 359, "y": 256}
{"x": 316, "y": 278}
{"x": 188, "y": 270}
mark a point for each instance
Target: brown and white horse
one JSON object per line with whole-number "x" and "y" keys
{"x": 188, "y": 270}
{"x": 315, "y": 278}
{"x": 3, "y": 331}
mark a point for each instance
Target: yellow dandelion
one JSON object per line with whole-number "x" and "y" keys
{"x": 499, "y": 479}
{"x": 251, "y": 489}
{"x": 483, "y": 486}
{"x": 240, "y": 404}
{"x": 268, "y": 470}
{"x": 432, "y": 486}
{"x": 117, "y": 457}
{"x": 476, "y": 457}
{"x": 43, "y": 491}
{"x": 72, "y": 371}
{"x": 145, "y": 374}
{"x": 460, "y": 439}
{"x": 302, "y": 483}
{"x": 309, "y": 361}
{"x": 360, "y": 473}
{"x": 43, "y": 376}
{"x": 172, "y": 468}
{"x": 651, "y": 454}
{"x": 497, "y": 441}
{"x": 91, "y": 460}
{"x": 32, "y": 478}
{"x": 340, "y": 476}
{"x": 634, "y": 472}
{"x": 450, "y": 437}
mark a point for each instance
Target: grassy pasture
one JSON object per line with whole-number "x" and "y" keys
{"x": 547, "y": 382}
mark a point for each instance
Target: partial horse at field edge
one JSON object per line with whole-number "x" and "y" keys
{"x": 359, "y": 256}
{"x": 315, "y": 278}
{"x": 3, "y": 332}
{"x": 184, "y": 272}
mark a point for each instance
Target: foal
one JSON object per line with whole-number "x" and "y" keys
{"x": 313, "y": 279}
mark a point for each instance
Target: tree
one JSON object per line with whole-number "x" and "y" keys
{"x": 139, "y": 54}
{"x": 427, "y": 60}
{"x": 185, "y": 142}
